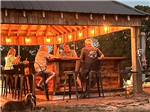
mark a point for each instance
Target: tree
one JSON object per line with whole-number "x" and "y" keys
{"x": 146, "y": 28}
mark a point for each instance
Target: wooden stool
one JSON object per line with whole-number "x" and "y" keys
{"x": 69, "y": 75}
{"x": 98, "y": 81}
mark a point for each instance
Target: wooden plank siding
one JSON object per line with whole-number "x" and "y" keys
{"x": 54, "y": 18}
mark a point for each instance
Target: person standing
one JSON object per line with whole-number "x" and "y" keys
{"x": 89, "y": 61}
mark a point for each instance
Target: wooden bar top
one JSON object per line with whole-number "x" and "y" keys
{"x": 57, "y": 59}
{"x": 113, "y": 58}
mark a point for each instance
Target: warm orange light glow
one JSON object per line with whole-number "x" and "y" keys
{"x": 48, "y": 40}
{"x": 106, "y": 29}
{"x": 8, "y": 40}
{"x": 92, "y": 32}
{"x": 80, "y": 34}
{"x": 27, "y": 40}
{"x": 59, "y": 39}
{"x": 70, "y": 37}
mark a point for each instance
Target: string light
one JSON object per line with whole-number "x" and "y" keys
{"x": 106, "y": 28}
{"x": 48, "y": 40}
{"x": 27, "y": 40}
{"x": 92, "y": 32}
{"x": 80, "y": 34}
{"x": 70, "y": 37}
{"x": 59, "y": 39}
{"x": 8, "y": 40}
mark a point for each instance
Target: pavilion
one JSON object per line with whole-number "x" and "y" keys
{"x": 56, "y": 22}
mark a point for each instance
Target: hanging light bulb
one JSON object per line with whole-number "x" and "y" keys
{"x": 80, "y": 34}
{"x": 106, "y": 29}
{"x": 92, "y": 31}
{"x": 70, "y": 37}
{"x": 8, "y": 40}
{"x": 27, "y": 40}
{"x": 48, "y": 40}
{"x": 59, "y": 39}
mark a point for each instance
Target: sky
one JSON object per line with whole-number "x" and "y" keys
{"x": 135, "y": 2}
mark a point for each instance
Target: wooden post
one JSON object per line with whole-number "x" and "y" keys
{"x": 135, "y": 45}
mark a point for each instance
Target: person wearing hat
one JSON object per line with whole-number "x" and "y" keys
{"x": 89, "y": 61}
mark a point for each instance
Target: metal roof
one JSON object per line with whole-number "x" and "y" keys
{"x": 100, "y": 7}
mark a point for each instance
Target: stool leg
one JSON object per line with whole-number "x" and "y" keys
{"x": 101, "y": 83}
{"x": 3, "y": 82}
{"x": 75, "y": 82}
{"x": 97, "y": 78}
{"x": 70, "y": 87}
{"x": 6, "y": 86}
{"x": 25, "y": 85}
{"x": 45, "y": 86}
{"x": 65, "y": 86}
{"x": 88, "y": 84}
{"x": 33, "y": 83}
{"x": 21, "y": 86}
{"x": 30, "y": 83}
{"x": 16, "y": 81}
{"x": 11, "y": 83}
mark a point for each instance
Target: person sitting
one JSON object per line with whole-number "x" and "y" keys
{"x": 71, "y": 53}
{"x": 40, "y": 65}
{"x": 67, "y": 52}
{"x": 11, "y": 59}
{"x": 89, "y": 61}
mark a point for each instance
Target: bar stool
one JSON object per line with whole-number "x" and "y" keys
{"x": 20, "y": 81}
{"x": 7, "y": 82}
{"x": 44, "y": 77}
{"x": 69, "y": 75}
{"x": 98, "y": 81}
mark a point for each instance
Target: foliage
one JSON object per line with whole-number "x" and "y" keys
{"x": 146, "y": 28}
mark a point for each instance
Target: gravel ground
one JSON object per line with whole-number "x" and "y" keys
{"x": 113, "y": 103}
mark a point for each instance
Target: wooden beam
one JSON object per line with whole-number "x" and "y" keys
{"x": 55, "y": 28}
{"x": 53, "y": 18}
{"x": 67, "y": 28}
{"x": 19, "y": 30}
{"x": 9, "y": 30}
{"x": 73, "y": 27}
{"x": 137, "y": 77}
{"x": 63, "y": 29}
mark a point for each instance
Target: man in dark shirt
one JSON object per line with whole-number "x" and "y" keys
{"x": 89, "y": 61}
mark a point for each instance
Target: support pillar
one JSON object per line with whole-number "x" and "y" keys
{"x": 135, "y": 45}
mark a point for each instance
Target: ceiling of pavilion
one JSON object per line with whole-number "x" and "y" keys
{"x": 15, "y": 34}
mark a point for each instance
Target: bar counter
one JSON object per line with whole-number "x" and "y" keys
{"x": 110, "y": 71}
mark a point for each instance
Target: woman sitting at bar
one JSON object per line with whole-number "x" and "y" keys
{"x": 40, "y": 65}
{"x": 11, "y": 59}
{"x": 89, "y": 61}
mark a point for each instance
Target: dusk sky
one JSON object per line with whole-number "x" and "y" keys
{"x": 135, "y": 2}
